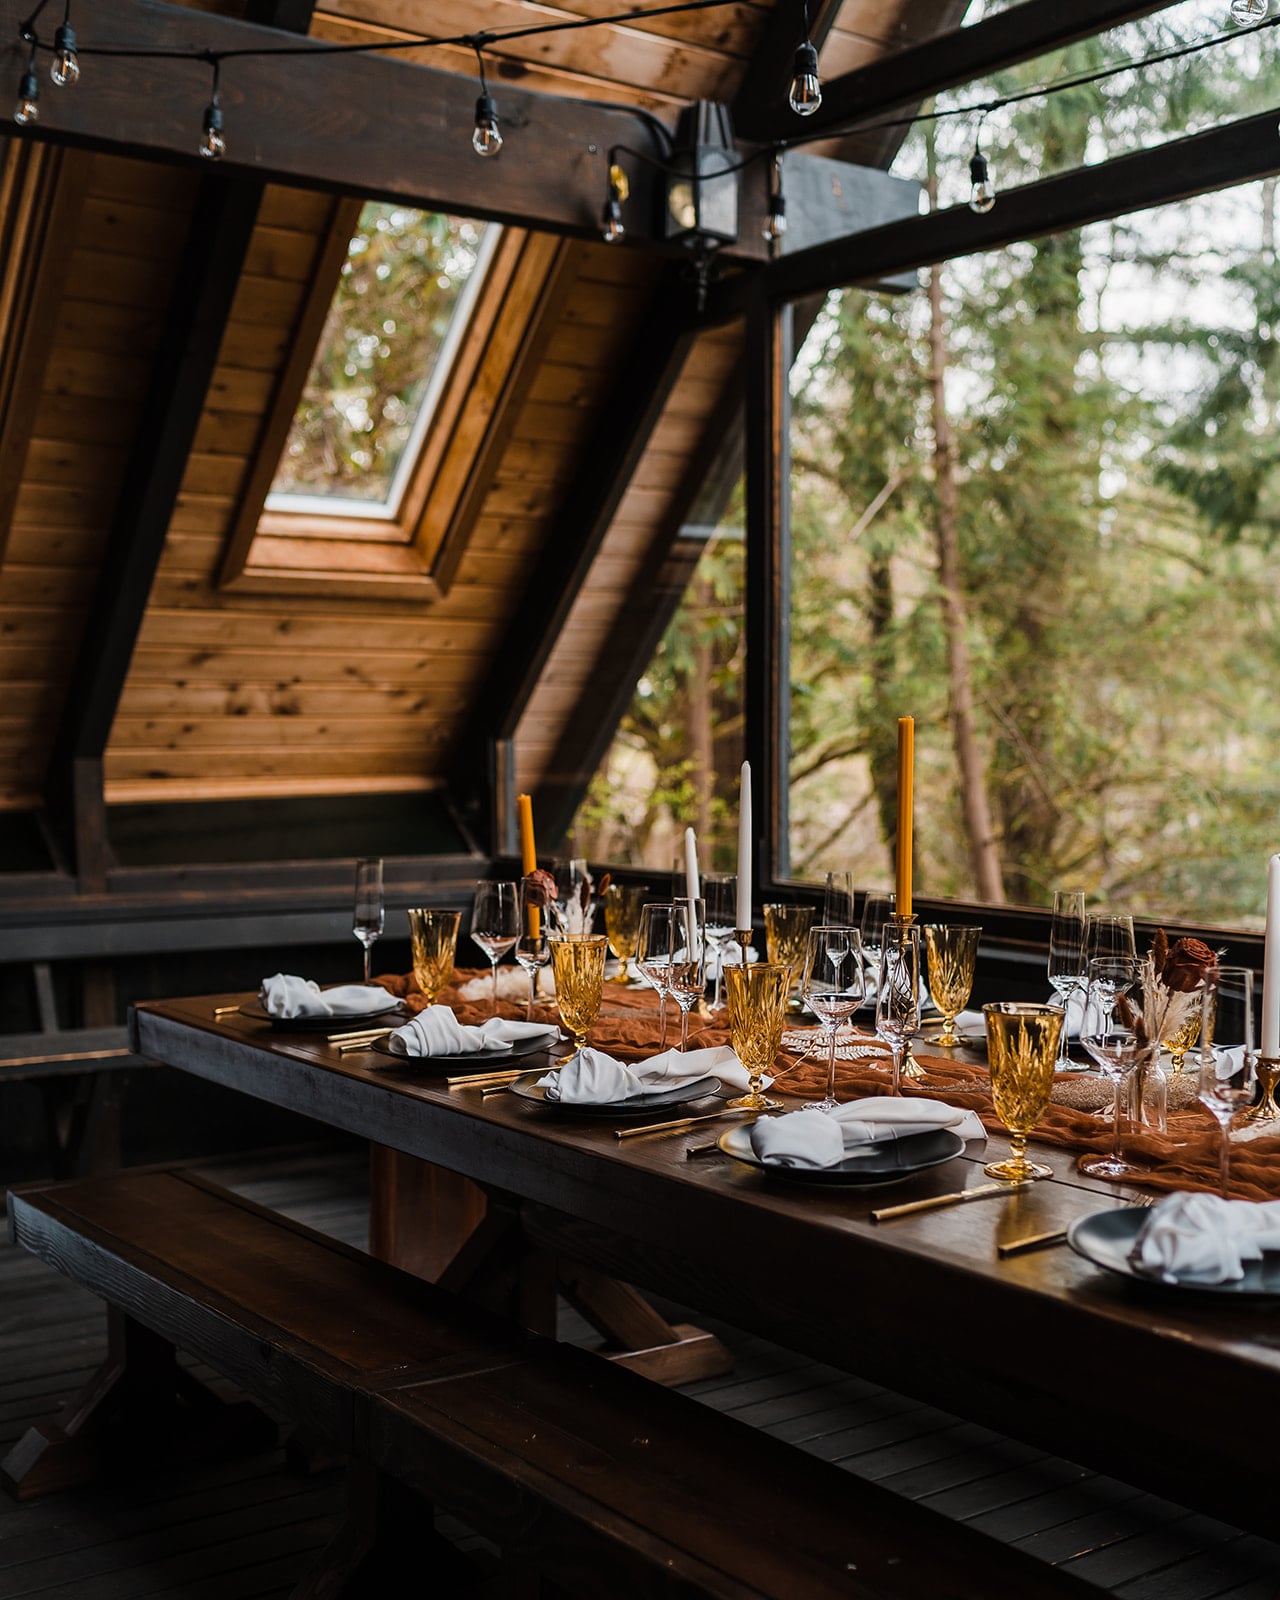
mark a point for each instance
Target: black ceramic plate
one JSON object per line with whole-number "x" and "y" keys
{"x": 888, "y": 1161}
{"x": 1106, "y": 1238}
{"x": 479, "y": 1059}
{"x": 661, "y": 1100}
{"x": 349, "y": 1022}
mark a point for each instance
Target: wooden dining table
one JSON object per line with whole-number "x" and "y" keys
{"x": 1168, "y": 1389}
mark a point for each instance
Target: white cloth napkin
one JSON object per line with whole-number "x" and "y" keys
{"x": 594, "y": 1078}
{"x": 437, "y": 1032}
{"x": 513, "y": 984}
{"x": 823, "y": 1138}
{"x": 1202, "y": 1238}
{"x": 287, "y": 996}
{"x": 1075, "y": 1011}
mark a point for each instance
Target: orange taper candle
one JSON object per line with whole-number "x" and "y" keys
{"x": 906, "y": 778}
{"x": 528, "y": 854}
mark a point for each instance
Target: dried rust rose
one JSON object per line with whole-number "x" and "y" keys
{"x": 1186, "y": 965}
{"x": 540, "y": 888}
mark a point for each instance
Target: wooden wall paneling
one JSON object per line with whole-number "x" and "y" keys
{"x": 41, "y": 195}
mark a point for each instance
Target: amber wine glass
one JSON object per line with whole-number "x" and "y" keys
{"x": 1022, "y": 1044}
{"x": 953, "y": 954}
{"x": 786, "y": 932}
{"x": 622, "y": 904}
{"x": 577, "y": 959}
{"x": 757, "y": 1002}
{"x": 434, "y": 937}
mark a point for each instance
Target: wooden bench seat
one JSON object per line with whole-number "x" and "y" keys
{"x": 585, "y": 1475}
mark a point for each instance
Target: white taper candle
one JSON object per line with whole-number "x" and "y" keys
{"x": 694, "y": 889}
{"x": 744, "y": 847}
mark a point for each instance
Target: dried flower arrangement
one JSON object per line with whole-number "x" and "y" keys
{"x": 1171, "y": 978}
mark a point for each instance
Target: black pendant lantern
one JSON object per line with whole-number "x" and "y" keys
{"x": 701, "y": 194}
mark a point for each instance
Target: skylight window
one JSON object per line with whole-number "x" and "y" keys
{"x": 393, "y": 329}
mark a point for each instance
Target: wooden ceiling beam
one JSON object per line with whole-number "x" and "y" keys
{"x": 385, "y": 128}
{"x": 1220, "y": 158}
{"x": 617, "y": 442}
{"x": 218, "y": 239}
{"x": 956, "y": 57}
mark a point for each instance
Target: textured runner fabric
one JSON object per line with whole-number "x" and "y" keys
{"x": 1184, "y": 1158}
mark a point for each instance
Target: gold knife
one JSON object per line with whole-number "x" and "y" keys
{"x": 485, "y": 1080}
{"x": 981, "y": 1192}
{"x": 1033, "y": 1241}
{"x": 678, "y": 1126}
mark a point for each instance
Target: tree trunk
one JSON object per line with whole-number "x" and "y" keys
{"x": 964, "y": 736}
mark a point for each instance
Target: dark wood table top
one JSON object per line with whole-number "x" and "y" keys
{"x": 1150, "y": 1385}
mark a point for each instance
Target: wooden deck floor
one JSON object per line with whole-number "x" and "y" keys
{"x": 247, "y": 1528}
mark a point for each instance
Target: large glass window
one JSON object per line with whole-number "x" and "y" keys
{"x": 1035, "y": 505}
{"x": 397, "y": 316}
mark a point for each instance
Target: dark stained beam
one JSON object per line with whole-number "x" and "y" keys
{"x": 1220, "y": 158}
{"x": 651, "y": 603}
{"x": 767, "y": 697}
{"x": 617, "y": 442}
{"x": 955, "y": 57}
{"x": 386, "y": 128}
{"x": 218, "y": 238}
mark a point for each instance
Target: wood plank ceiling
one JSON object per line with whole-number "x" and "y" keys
{"x": 234, "y": 694}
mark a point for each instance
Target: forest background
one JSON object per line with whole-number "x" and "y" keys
{"x": 1034, "y": 504}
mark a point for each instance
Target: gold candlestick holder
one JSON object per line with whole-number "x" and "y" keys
{"x": 911, "y": 1068}
{"x": 742, "y": 937}
{"x": 1266, "y": 1109}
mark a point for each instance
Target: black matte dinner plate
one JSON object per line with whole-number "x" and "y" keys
{"x": 1106, "y": 1238}
{"x": 638, "y": 1106}
{"x": 865, "y": 1167}
{"x": 351, "y": 1020}
{"x": 477, "y": 1058}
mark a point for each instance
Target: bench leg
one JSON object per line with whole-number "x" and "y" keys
{"x": 139, "y": 1409}
{"x": 387, "y": 1545}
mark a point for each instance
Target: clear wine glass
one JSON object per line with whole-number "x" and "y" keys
{"x": 1106, "y": 1032}
{"x": 654, "y": 949}
{"x": 368, "y": 916}
{"x": 877, "y": 909}
{"x": 495, "y": 922}
{"x": 1109, "y": 936}
{"x": 898, "y": 993}
{"x": 532, "y": 949}
{"x": 833, "y": 986}
{"x": 1067, "y": 960}
{"x": 688, "y": 981}
{"x": 837, "y": 901}
{"x": 720, "y": 891}
{"x": 1228, "y": 1054}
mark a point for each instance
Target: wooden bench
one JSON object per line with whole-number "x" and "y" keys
{"x": 586, "y": 1475}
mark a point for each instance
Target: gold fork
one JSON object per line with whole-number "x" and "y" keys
{"x": 1044, "y": 1241}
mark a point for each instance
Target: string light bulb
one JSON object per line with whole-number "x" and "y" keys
{"x": 775, "y": 224}
{"x": 213, "y": 146}
{"x": 806, "y": 91}
{"x": 486, "y": 138}
{"x": 982, "y": 192}
{"x": 65, "y": 70}
{"x": 27, "y": 109}
{"x": 612, "y": 228}
{"x": 1246, "y": 12}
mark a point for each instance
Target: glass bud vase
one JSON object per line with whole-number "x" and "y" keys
{"x": 1149, "y": 1095}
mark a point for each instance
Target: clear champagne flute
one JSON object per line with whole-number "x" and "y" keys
{"x": 898, "y": 993}
{"x": 1109, "y": 936}
{"x": 532, "y": 950}
{"x": 720, "y": 891}
{"x": 688, "y": 981}
{"x": 653, "y": 955}
{"x": 1067, "y": 959}
{"x": 367, "y": 918}
{"x": 877, "y": 908}
{"x": 495, "y": 922}
{"x": 833, "y": 987}
{"x": 837, "y": 901}
{"x": 1111, "y": 1041}
{"x": 1228, "y": 1054}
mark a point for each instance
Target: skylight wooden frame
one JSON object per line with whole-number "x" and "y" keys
{"x": 415, "y": 553}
